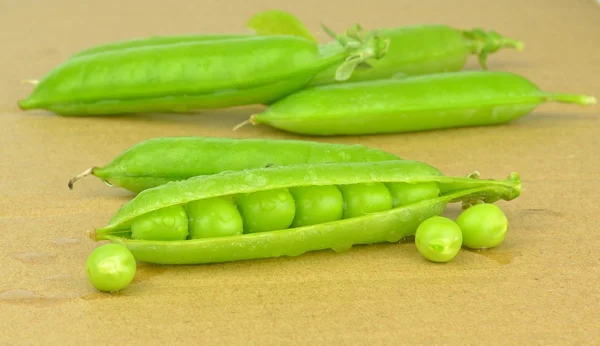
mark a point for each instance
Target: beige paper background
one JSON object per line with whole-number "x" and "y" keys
{"x": 539, "y": 287}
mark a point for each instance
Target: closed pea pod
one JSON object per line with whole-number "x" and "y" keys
{"x": 414, "y": 50}
{"x": 284, "y": 23}
{"x": 436, "y": 101}
{"x": 154, "y": 41}
{"x": 192, "y": 75}
{"x": 138, "y": 168}
{"x": 388, "y": 225}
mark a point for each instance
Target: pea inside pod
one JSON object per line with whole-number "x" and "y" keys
{"x": 279, "y": 235}
{"x": 137, "y": 168}
{"x": 429, "y": 102}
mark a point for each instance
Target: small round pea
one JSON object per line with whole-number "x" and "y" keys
{"x": 110, "y": 267}
{"x": 214, "y": 217}
{"x": 170, "y": 223}
{"x": 268, "y": 210}
{"x": 365, "y": 198}
{"x": 483, "y": 226}
{"x": 438, "y": 239}
{"x": 317, "y": 204}
{"x": 406, "y": 193}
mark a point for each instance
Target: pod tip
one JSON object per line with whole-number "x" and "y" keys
{"x": 519, "y": 46}
{"x": 590, "y": 100}
{"x": 244, "y": 123}
{"x": 80, "y": 176}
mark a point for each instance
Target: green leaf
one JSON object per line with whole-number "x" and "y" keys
{"x": 277, "y": 22}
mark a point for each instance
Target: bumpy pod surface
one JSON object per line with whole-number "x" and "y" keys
{"x": 384, "y": 226}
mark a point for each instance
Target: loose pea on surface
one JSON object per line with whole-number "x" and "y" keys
{"x": 214, "y": 217}
{"x": 438, "y": 239}
{"x": 110, "y": 267}
{"x": 405, "y": 193}
{"x": 170, "y": 223}
{"x": 267, "y": 210}
{"x": 483, "y": 226}
{"x": 317, "y": 204}
{"x": 365, "y": 198}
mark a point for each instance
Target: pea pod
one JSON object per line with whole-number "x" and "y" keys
{"x": 284, "y": 23}
{"x": 414, "y": 50}
{"x": 154, "y": 41}
{"x": 375, "y": 226}
{"x": 156, "y": 161}
{"x": 193, "y": 75}
{"x": 429, "y": 102}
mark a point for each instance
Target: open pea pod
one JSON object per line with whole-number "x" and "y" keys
{"x": 372, "y": 206}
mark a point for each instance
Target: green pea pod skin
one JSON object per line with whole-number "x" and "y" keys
{"x": 137, "y": 168}
{"x": 421, "y": 50}
{"x": 193, "y": 75}
{"x": 386, "y": 226}
{"x": 154, "y": 41}
{"x": 263, "y": 94}
{"x": 420, "y": 103}
{"x": 270, "y": 22}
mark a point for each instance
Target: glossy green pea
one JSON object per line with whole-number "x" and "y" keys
{"x": 438, "y": 239}
{"x": 429, "y": 102}
{"x": 170, "y": 223}
{"x": 405, "y": 194}
{"x": 317, "y": 204}
{"x": 110, "y": 267}
{"x": 414, "y": 50}
{"x": 385, "y": 226}
{"x": 483, "y": 226}
{"x": 137, "y": 168}
{"x": 266, "y": 210}
{"x": 190, "y": 76}
{"x": 365, "y": 198}
{"x": 214, "y": 217}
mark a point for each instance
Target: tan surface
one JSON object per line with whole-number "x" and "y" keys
{"x": 539, "y": 287}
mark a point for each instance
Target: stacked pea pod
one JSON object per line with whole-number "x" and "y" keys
{"x": 217, "y": 199}
{"x": 401, "y": 79}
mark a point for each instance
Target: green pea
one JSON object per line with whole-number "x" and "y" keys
{"x": 170, "y": 223}
{"x": 405, "y": 193}
{"x": 110, "y": 267}
{"x": 252, "y": 188}
{"x": 438, "y": 239}
{"x": 317, "y": 204}
{"x": 214, "y": 217}
{"x": 267, "y": 210}
{"x": 483, "y": 226}
{"x": 420, "y": 103}
{"x": 366, "y": 198}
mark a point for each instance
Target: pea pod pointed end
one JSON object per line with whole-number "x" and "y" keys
{"x": 87, "y": 172}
